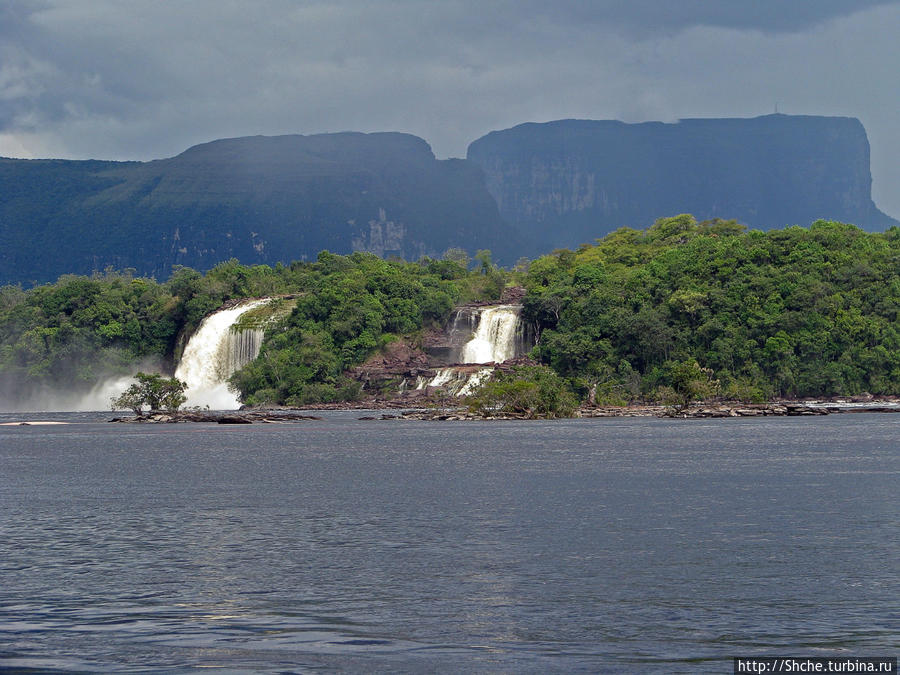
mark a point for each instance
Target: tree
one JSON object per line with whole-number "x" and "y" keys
{"x": 484, "y": 257}
{"x": 690, "y": 383}
{"x": 527, "y": 391}
{"x": 458, "y": 256}
{"x": 155, "y": 391}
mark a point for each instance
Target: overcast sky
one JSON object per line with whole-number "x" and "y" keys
{"x": 146, "y": 79}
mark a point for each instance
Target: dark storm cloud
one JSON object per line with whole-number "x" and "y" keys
{"x": 146, "y": 79}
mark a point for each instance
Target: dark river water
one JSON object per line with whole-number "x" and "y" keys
{"x": 607, "y": 545}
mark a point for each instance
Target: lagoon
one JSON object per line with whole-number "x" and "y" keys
{"x": 587, "y": 545}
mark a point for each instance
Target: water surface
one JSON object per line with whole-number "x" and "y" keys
{"x": 584, "y": 545}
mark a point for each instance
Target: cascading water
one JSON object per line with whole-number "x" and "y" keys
{"x": 214, "y": 353}
{"x": 456, "y": 381}
{"x": 474, "y": 381}
{"x": 497, "y": 336}
{"x": 442, "y": 377}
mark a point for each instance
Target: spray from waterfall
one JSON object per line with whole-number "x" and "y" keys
{"x": 214, "y": 352}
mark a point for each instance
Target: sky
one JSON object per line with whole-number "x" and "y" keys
{"x": 146, "y": 79}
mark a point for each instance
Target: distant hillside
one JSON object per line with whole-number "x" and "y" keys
{"x": 571, "y": 181}
{"x": 521, "y": 191}
{"x": 259, "y": 199}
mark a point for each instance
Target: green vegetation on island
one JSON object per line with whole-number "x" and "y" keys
{"x": 349, "y": 306}
{"x": 71, "y": 334}
{"x": 794, "y": 312}
{"x": 677, "y": 312}
{"x": 527, "y": 391}
{"x": 151, "y": 390}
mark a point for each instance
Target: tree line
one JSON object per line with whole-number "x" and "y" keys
{"x": 706, "y": 308}
{"x": 793, "y": 312}
{"x": 79, "y": 330}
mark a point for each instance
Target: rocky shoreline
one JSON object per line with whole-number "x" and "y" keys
{"x": 282, "y": 415}
{"x": 697, "y": 412}
{"x": 269, "y": 416}
{"x": 781, "y": 409}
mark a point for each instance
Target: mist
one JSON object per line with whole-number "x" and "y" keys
{"x": 46, "y": 398}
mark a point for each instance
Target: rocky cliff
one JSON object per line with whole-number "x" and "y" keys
{"x": 571, "y": 181}
{"x": 259, "y": 199}
{"x": 270, "y": 199}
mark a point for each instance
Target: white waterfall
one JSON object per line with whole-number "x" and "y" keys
{"x": 456, "y": 381}
{"x": 465, "y": 321}
{"x": 214, "y": 353}
{"x": 495, "y": 338}
{"x": 474, "y": 381}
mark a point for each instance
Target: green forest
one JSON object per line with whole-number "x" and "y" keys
{"x": 74, "y": 332}
{"x": 794, "y": 312}
{"x": 801, "y": 311}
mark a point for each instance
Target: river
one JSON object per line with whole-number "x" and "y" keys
{"x": 635, "y": 545}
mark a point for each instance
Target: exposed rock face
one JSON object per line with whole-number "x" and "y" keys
{"x": 237, "y": 417}
{"x": 271, "y": 199}
{"x": 571, "y": 181}
{"x": 259, "y": 199}
{"x": 393, "y": 370}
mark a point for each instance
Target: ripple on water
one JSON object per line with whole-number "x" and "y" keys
{"x": 351, "y": 546}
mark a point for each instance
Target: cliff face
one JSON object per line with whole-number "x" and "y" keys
{"x": 271, "y": 199}
{"x": 259, "y": 199}
{"x": 571, "y": 181}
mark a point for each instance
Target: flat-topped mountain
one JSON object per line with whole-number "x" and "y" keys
{"x": 570, "y": 181}
{"x": 521, "y": 191}
{"x": 259, "y": 199}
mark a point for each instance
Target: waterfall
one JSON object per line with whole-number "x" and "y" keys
{"x": 242, "y": 347}
{"x": 465, "y": 322}
{"x": 474, "y": 381}
{"x": 214, "y": 353}
{"x": 446, "y": 375}
{"x": 456, "y": 381}
{"x": 497, "y": 336}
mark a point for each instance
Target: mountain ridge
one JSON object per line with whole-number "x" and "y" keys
{"x": 520, "y": 191}
{"x": 260, "y": 199}
{"x": 588, "y": 177}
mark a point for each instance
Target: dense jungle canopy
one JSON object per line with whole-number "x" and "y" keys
{"x": 792, "y": 312}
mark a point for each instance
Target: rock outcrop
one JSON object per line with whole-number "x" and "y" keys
{"x": 699, "y": 411}
{"x": 270, "y": 416}
{"x": 570, "y": 181}
{"x": 393, "y": 371}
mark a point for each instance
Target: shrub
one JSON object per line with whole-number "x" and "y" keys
{"x": 528, "y": 391}
{"x": 155, "y": 391}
